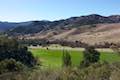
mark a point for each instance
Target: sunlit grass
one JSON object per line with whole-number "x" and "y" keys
{"x": 53, "y": 58}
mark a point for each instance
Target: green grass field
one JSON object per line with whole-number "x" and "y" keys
{"x": 53, "y": 58}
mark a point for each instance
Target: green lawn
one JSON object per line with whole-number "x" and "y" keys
{"x": 53, "y": 58}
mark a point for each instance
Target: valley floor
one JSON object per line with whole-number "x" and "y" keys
{"x": 51, "y": 57}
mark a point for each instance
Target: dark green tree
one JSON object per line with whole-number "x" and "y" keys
{"x": 90, "y": 56}
{"x": 10, "y": 48}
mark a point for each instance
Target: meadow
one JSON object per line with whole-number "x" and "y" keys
{"x": 52, "y": 58}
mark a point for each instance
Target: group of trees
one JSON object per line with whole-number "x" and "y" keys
{"x": 90, "y": 56}
{"x": 11, "y": 49}
{"x": 44, "y": 42}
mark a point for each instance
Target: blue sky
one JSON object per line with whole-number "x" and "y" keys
{"x": 26, "y": 10}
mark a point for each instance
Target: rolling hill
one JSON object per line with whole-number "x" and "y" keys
{"x": 90, "y": 29}
{"x": 99, "y": 34}
{"x": 39, "y": 26}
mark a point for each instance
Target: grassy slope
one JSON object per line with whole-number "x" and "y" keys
{"x": 99, "y": 34}
{"x": 53, "y": 58}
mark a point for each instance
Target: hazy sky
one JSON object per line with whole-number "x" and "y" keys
{"x": 26, "y": 10}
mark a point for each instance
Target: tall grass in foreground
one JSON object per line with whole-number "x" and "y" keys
{"x": 97, "y": 71}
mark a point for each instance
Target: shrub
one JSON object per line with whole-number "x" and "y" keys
{"x": 10, "y": 65}
{"x": 90, "y": 55}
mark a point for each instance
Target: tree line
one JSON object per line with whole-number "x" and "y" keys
{"x": 44, "y": 42}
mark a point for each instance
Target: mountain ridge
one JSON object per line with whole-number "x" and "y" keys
{"x": 38, "y": 26}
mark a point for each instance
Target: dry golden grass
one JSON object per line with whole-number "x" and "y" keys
{"x": 99, "y": 34}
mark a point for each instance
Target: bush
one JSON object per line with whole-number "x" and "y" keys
{"x": 10, "y": 65}
{"x": 90, "y": 55}
{"x": 66, "y": 59}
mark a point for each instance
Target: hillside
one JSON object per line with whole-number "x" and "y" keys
{"x": 99, "y": 34}
{"x": 6, "y": 26}
{"x": 73, "y": 22}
